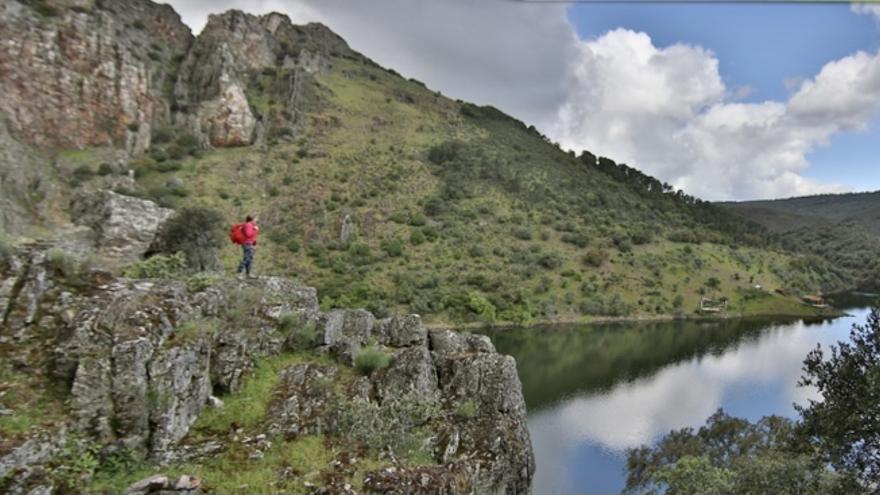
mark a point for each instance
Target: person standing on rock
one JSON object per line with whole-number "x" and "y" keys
{"x": 246, "y": 234}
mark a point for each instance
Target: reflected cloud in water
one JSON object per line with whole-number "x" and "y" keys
{"x": 580, "y": 439}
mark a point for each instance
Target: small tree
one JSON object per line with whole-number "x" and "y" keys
{"x": 845, "y": 425}
{"x": 195, "y": 231}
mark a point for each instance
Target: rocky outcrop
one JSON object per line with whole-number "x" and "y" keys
{"x": 238, "y": 54}
{"x": 124, "y": 227}
{"x": 143, "y": 358}
{"x": 75, "y": 74}
{"x": 78, "y": 74}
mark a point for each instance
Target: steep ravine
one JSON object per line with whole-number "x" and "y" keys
{"x": 116, "y": 368}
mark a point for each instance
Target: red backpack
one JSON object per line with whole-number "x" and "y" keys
{"x": 236, "y": 233}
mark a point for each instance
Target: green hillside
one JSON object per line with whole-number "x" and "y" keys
{"x": 859, "y": 208}
{"x": 463, "y": 213}
{"x": 454, "y": 211}
{"x": 843, "y": 229}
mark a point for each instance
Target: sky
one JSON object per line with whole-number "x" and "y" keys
{"x": 728, "y": 101}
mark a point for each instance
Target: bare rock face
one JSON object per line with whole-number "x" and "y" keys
{"x": 84, "y": 73}
{"x": 237, "y": 51}
{"x": 124, "y": 227}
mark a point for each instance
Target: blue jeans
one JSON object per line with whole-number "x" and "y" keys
{"x": 248, "y": 250}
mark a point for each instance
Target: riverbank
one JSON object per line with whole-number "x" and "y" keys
{"x": 804, "y": 311}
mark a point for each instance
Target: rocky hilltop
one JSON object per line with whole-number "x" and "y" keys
{"x": 119, "y": 368}
{"x": 204, "y": 384}
{"x": 80, "y": 73}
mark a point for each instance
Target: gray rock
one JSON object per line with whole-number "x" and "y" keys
{"x": 303, "y": 402}
{"x": 348, "y": 230}
{"x": 147, "y": 485}
{"x": 36, "y": 450}
{"x": 345, "y": 331}
{"x": 412, "y": 370}
{"x": 452, "y": 342}
{"x": 179, "y": 388}
{"x": 401, "y": 331}
{"x": 187, "y": 482}
{"x": 129, "y": 392}
{"x": 124, "y": 227}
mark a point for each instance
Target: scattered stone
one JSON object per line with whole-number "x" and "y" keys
{"x": 187, "y": 482}
{"x": 147, "y": 485}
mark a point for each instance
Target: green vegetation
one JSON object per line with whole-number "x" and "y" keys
{"x": 158, "y": 266}
{"x": 397, "y": 425}
{"x": 197, "y": 233}
{"x": 247, "y": 407}
{"x": 371, "y": 358}
{"x": 842, "y": 231}
{"x": 462, "y": 213}
{"x": 776, "y": 455}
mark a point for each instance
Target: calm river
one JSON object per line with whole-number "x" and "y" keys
{"x": 595, "y": 390}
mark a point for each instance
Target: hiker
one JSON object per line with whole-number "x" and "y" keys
{"x": 246, "y": 235}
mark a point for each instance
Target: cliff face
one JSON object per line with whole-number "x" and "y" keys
{"x": 238, "y": 51}
{"x": 137, "y": 361}
{"x": 79, "y": 74}
{"x": 76, "y": 74}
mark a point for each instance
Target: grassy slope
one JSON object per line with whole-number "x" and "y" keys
{"x": 495, "y": 219}
{"x": 841, "y": 228}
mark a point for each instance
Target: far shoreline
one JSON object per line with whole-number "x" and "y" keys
{"x": 826, "y": 314}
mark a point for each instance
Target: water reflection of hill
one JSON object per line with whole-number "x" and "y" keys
{"x": 557, "y": 361}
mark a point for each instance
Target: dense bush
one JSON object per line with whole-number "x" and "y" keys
{"x": 158, "y": 266}
{"x": 370, "y": 359}
{"x": 595, "y": 257}
{"x": 197, "y": 232}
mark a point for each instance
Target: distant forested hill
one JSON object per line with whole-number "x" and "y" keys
{"x": 841, "y": 228}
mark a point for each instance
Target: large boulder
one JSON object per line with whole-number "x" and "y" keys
{"x": 124, "y": 227}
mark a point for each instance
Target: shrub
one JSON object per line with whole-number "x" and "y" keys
{"x": 370, "y": 359}
{"x": 163, "y": 135}
{"x": 551, "y": 261}
{"x": 445, "y": 152}
{"x": 392, "y": 247}
{"x": 304, "y": 337}
{"x": 579, "y": 239}
{"x": 480, "y": 306}
{"x": 165, "y": 167}
{"x": 82, "y": 172}
{"x": 187, "y": 141}
{"x": 158, "y": 266}
{"x": 416, "y": 237}
{"x": 467, "y": 409}
{"x": 292, "y": 245}
{"x": 105, "y": 169}
{"x": 595, "y": 257}
{"x": 175, "y": 151}
{"x": 197, "y": 232}
{"x": 522, "y": 233}
{"x": 158, "y": 154}
{"x": 66, "y": 267}
{"x": 417, "y": 219}
{"x": 396, "y": 425}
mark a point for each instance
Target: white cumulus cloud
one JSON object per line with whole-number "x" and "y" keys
{"x": 667, "y": 111}
{"x": 866, "y": 8}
